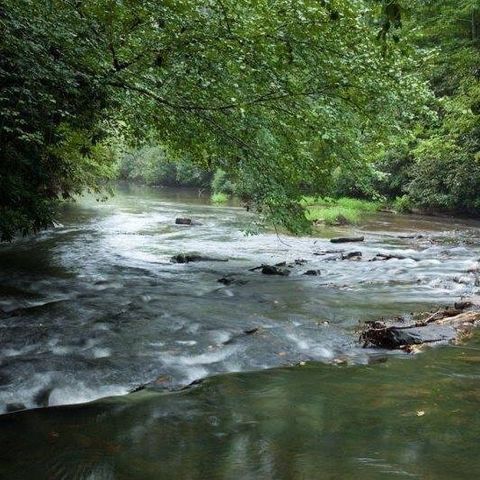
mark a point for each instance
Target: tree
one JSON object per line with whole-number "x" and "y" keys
{"x": 275, "y": 93}
{"x": 447, "y": 169}
{"x": 53, "y": 116}
{"x": 440, "y": 169}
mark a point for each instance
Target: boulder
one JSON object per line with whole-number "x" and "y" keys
{"x": 274, "y": 270}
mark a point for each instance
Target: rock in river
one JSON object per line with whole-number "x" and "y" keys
{"x": 312, "y": 273}
{"x": 273, "y": 270}
{"x": 352, "y": 256}
{"x": 186, "y": 221}
{"x": 191, "y": 257}
{"x": 347, "y": 239}
{"x": 183, "y": 221}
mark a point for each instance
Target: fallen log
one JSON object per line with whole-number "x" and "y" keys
{"x": 191, "y": 257}
{"x": 347, "y": 239}
{"x": 387, "y": 256}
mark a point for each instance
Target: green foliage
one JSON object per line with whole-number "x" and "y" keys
{"x": 53, "y": 115}
{"x": 276, "y": 94}
{"x": 222, "y": 184}
{"x": 446, "y": 176}
{"x": 440, "y": 167}
{"x": 403, "y": 204}
{"x": 446, "y": 173}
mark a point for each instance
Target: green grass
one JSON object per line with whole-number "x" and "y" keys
{"x": 219, "y": 198}
{"x": 332, "y": 215}
{"x": 342, "y": 211}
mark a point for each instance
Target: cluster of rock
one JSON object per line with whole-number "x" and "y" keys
{"x": 449, "y": 324}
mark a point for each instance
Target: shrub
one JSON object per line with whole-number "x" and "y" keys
{"x": 219, "y": 197}
{"x": 403, "y": 204}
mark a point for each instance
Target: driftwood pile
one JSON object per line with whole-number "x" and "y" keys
{"x": 445, "y": 325}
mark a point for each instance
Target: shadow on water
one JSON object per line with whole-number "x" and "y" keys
{"x": 402, "y": 418}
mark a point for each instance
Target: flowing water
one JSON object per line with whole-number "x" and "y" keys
{"x": 95, "y": 308}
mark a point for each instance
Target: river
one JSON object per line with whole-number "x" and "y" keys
{"x": 95, "y": 308}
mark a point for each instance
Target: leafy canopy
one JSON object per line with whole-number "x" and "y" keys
{"x": 276, "y": 93}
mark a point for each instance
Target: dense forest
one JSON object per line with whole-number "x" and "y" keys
{"x": 377, "y": 99}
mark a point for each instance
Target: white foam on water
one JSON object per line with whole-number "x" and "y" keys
{"x": 311, "y": 348}
{"x": 220, "y": 336}
{"x": 101, "y": 352}
{"x": 206, "y": 358}
{"x": 80, "y": 393}
{"x": 194, "y": 373}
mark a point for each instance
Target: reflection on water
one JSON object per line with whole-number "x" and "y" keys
{"x": 402, "y": 418}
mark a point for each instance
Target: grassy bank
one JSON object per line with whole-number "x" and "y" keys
{"x": 341, "y": 211}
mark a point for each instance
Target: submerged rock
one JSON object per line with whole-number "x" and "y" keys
{"x": 14, "y": 407}
{"x": 327, "y": 252}
{"x": 312, "y": 273}
{"x": 347, "y": 239}
{"x": 42, "y": 397}
{"x": 411, "y": 237}
{"x": 245, "y": 333}
{"x": 228, "y": 280}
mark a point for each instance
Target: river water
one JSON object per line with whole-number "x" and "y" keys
{"x": 95, "y": 308}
